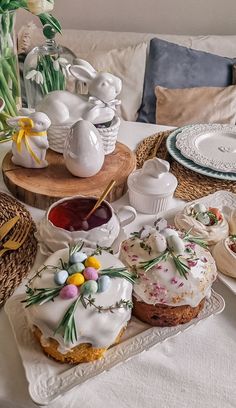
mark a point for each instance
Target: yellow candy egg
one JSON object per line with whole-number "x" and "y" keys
{"x": 92, "y": 261}
{"x": 76, "y": 279}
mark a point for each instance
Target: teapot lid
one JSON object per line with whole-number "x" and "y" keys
{"x": 154, "y": 178}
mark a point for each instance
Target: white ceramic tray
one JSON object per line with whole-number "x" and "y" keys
{"x": 210, "y": 145}
{"x": 49, "y": 380}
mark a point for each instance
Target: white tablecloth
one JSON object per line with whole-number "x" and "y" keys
{"x": 196, "y": 369}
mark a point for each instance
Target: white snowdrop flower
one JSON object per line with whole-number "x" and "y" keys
{"x": 35, "y": 76}
{"x": 39, "y": 6}
{"x": 60, "y": 62}
{"x": 39, "y": 78}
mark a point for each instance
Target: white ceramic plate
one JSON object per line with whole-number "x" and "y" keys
{"x": 211, "y": 145}
{"x": 189, "y": 164}
{"x": 49, "y": 380}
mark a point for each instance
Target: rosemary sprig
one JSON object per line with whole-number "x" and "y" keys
{"x": 40, "y": 295}
{"x": 181, "y": 267}
{"x": 76, "y": 248}
{"x": 119, "y": 273}
{"x": 99, "y": 249}
{"x": 212, "y": 217}
{"x": 146, "y": 265}
{"x": 195, "y": 240}
{"x": 67, "y": 327}
{"x": 125, "y": 304}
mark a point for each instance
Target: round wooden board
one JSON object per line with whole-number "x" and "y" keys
{"x": 42, "y": 187}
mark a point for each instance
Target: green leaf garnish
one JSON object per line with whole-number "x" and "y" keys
{"x": 40, "y": 295}
{"x": 67, "y": 326}
{"x": 119, "y": 273}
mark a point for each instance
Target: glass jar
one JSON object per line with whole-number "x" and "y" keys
{"x": 45, "y": 68}
{"x": 9, "y": 71}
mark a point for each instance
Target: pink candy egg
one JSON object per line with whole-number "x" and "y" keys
{"x": 69, "y": 292}
{"x": 90, "y": 273}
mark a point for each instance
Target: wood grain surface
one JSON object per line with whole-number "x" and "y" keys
{"x": 42, "y": 187}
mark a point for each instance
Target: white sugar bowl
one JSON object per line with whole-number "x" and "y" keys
{"x": 152, "y": 187}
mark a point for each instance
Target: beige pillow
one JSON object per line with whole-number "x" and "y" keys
{"x": 178, "y": 107}
{"x": 129, "y": 65}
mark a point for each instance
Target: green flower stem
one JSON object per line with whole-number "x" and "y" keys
{"x": 8, "y": 93}
{"x": 8, "y": 106}
{"x": 8, "y": 69}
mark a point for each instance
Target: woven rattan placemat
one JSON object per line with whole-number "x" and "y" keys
{"x": 15, "y": 265}
{"x": 191, "y": 185}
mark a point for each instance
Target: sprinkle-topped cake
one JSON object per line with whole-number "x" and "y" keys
{"x": 174, "y": 271}
{"x": 78, "y": 304}
{"x": 207, "y": 223}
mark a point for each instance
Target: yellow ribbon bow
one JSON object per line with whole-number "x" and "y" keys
{"x": 25, "y": 132}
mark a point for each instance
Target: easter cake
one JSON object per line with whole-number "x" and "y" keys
{"x": 209, "y": 224}
{"x": 78, "y": 304}
{"x": 174, "y": 271}
{"x": 224, "y": 253}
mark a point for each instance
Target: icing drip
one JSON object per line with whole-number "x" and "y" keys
{"x": 98, "y": 329}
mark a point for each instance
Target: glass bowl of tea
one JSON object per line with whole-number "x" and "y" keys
{"x": 66, "y": 222}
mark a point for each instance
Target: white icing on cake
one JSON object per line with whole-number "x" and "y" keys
{"x": 209, "y": 233}
{"x": 98, "y": 329}
{"x": 163, "y": 284}
{"x": 225, "y": 258}
{"x": 232, "y": 222}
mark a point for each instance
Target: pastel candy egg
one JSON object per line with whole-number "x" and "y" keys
{"x": 90, "y": 273}
{"x": 167, "y": 232}
{"x": 104, "y": 282}
{"x": 176, "y": 244}
{"x": 92, "y": 261}
{"x": 157, "y": 241}
{"x": 78, "y": 257}
{"x": 75, "y": 268}
{"x": 89, "y": 287}
{"x": 69, "y": 292}
{"x": 77, "y": 279}
{"x": 60, "y": 277}
{"x": 203, "y": 218}
{"x": 199, "y": 207}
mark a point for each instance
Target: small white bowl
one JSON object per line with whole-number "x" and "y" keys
{"x": 152, "y": 187}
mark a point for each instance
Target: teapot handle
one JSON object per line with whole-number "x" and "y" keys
{"x": 126, "y": 214}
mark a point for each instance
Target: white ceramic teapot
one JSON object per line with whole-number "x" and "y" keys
{"x": 51, "y": 238}
{"x": 98, "y": 107}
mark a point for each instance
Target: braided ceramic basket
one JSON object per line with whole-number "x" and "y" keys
{"x": 57, "y": 136}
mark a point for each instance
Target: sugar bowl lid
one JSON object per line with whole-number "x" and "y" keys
{"x": 154, "y": 178}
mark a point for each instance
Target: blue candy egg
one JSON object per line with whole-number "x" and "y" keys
{"x": 60, "y": 277}
{"x": 78, "y": 257}
{"x": 89, "y": 287}
{"x": 104, "y": 282}
{"x": 76, "y": 268}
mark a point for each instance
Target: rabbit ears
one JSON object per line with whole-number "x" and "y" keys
{"x": 82, "y": 71}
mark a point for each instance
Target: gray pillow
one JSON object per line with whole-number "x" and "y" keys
{"x": 174, "y": 66}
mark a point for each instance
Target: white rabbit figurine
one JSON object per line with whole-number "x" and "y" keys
{"x": 98, "y": 106}
{"x": 29, "y": 143}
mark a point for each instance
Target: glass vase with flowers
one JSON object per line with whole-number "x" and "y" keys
{"x": 9, "y": 72}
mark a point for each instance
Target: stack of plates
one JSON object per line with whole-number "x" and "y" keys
{"x": 208, "y": 149}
